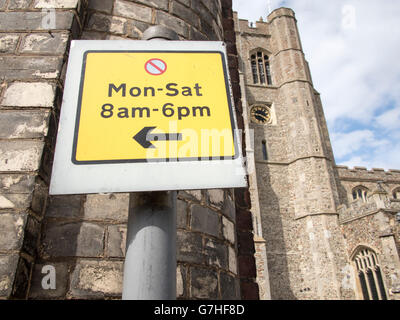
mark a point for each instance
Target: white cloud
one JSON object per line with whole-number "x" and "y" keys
{"x": 347, "y": 143}
{"x": 354, "y": 65}
{"x": 390, "y": 119}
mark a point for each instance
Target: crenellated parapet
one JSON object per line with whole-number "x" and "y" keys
{"x": 260, "y": 27}
{"x": 379, "y": 185}
{"x": 362, "y": 173}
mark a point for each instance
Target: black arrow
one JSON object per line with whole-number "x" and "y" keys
{"x": 144, "y": 138}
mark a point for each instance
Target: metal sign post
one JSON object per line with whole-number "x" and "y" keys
{"x": 150, "y": 259}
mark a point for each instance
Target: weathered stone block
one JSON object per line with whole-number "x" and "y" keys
{"x": 67, "y": 206}
{"x": 112, "y": 207}
{"x": 229, "y": 208}
{"x": 2, "y": 4}
{"x": 62, "y": 279}
{"x": 8, "y": 43}
{"x": 189, "y": 247}
{"x": 196, "y": 35}
{"x": 159, "y": 4}
{"x": 191, "y": 194}
{"x": 204, "y": 283}
{"x": 25, "y": 21}
{"x": 216, "y": 253}
{"x": 184, "y": 13}
{"x": 101, "y": 5}
{"x": 18, "y": 4}
{"x": 11, "y": 231}
{"x": 105, "y": 23}
{"x": 202, "y": 11}
{"x": 209, "y": 31}
{"x": 72, "y": 240}
{"x": 29, "y": 94}
{"x": 15, "y": 201}
{"x": 232, "y": 260}
{"x": 55, "y": 4}
{"x": 8, "y": 265}
{"x": 16, "y": 183}
{"x": 30, "y": 68}
{"x": 20, "y": 155}
{"x": 6, "y": 203}
{"x": 229, "y": 287}
{"x": 97, "y": 279}
{"x": 135, "y": 29}
{"x": 228, "y": 230}
{"x": 116, "y": 241}
{"x": 132, "y": 10}
{"x": 176, "y": 24}
{"x": 181, "y": 282}
{"x": 216, "y": 197}
{"x": 23, "y": 124}
{"x": 181, "y": 213}
{"x": 185, "y": 2}
{"x": 205, "y": 220}
{"x": 44, "y": 43}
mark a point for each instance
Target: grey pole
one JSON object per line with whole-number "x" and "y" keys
{"x": 150, "y": 259}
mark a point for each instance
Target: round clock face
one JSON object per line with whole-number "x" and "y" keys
{"x": 260, "y": 114}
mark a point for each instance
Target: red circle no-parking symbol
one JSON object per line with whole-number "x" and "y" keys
{"x": 155, "y": 67}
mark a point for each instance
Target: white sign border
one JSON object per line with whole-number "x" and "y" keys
{"x": 69, "y": 178}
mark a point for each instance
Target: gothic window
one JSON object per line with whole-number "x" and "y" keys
{"x": 361, "y": 193}
{"x": 396, "y": 194}
{"x": 261, "y": 69}
{"x": 369, "y": 274}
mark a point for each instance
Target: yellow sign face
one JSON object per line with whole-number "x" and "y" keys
{"x": 140, "y": 106}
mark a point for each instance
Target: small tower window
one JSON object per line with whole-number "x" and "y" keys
{"x": 261, "y": 69}
{"x": 396, "y": 194}
{"x": 264, "y": 150}
{"x": 360, "y": 193}
{"x": 369, "y": 273}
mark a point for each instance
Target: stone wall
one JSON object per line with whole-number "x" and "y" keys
{"x": 372, "y": 222}
{"x": 83, "y": 236}
{"x": 378, "y": 231}
{"x": 34, "y": 38}
{"x": 360, "y": 176}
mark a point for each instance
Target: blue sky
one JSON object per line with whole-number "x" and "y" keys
{"x": 353, "y": 48}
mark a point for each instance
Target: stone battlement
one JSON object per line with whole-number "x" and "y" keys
{"x": 261, "y": 27}
{"x": 362, "y": 173}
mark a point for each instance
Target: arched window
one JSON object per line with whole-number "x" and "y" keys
{"x": 361, "y": 193}
{"x": 370, "y": 280}
{"x": 396, "y": 194}
{"x": 260, "y": 68}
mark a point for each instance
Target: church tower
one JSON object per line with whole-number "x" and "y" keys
{"x": 300, "y": 249}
